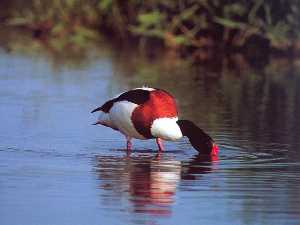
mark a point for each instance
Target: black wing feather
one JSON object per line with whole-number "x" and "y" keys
{"x": 105, "y": 107}
{"x": 137, "y": 96}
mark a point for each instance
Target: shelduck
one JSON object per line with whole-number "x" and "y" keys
{"x": 150, "y": 113}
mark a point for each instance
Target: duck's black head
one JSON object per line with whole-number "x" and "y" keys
{"x": 201, "y": 141}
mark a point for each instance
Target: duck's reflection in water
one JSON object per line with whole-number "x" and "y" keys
{"x": 148, "y": 182}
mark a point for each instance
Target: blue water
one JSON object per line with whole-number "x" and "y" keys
{"x": 56, "y": 168}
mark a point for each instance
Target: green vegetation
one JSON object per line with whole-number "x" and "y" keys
{"x": 187, "y": 26}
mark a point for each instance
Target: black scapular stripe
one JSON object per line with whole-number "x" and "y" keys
{"x": 137, "y": 96}
{"x": 105, "y": 107}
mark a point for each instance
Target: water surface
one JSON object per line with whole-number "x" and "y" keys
{"x": 56, "y": 168}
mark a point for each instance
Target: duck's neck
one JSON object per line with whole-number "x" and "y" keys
{"x": 201, "y": 141}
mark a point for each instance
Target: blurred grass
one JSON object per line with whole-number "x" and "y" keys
{"x": 187, "y": 26}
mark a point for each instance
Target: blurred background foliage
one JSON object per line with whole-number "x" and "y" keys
{"x": 185, "y": 26}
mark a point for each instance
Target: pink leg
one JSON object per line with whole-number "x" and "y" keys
{"x": 129, "y": 145}
{"x": 159, "y": 144}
